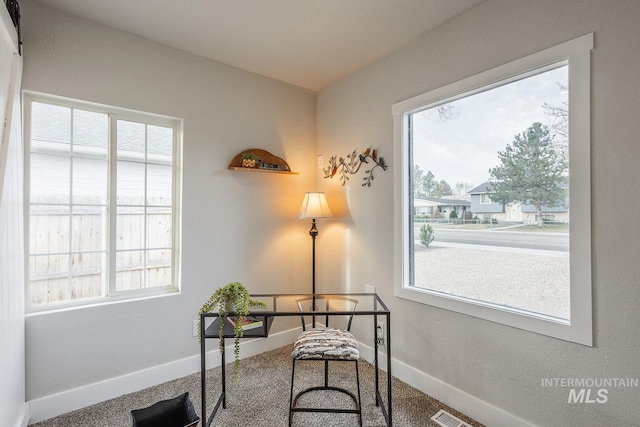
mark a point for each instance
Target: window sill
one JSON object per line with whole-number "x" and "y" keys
{"x": 97, "y": 302}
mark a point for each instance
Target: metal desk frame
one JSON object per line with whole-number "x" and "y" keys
{"x": 379, "y": 309}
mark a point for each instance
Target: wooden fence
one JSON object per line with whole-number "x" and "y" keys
{"x": 59, "y": 273}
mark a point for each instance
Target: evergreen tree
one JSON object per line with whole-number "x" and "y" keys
{"x": 531, "y": 172}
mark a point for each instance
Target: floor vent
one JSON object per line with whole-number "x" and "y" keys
{"x": 445, "y": 419}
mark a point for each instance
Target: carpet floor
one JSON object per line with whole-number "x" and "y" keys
{"x": 261, "y": 399}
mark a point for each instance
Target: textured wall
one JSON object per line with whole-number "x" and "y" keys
{"x": 501, "y": 365}
{"x": 236, "y": 226}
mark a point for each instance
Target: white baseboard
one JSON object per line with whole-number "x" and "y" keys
{"x": 469, "y": 405}
{"x": 23, "y": 418}
{"x": 70, "y": 400}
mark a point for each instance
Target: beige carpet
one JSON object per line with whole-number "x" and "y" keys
{"x": 261, "y": 399}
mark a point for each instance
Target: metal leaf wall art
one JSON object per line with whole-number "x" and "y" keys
{"x": 352, "y": 164}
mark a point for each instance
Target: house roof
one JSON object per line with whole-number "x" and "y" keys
{"x": 433, "y": 201}
{"x": 485, "y": 187}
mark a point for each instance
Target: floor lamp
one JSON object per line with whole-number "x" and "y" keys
{"x": 314, "y": 206}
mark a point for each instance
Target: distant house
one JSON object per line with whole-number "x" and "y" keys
{"x": 441, "y": 207}
{"x": 483, "y": 207}
{"x": 486, "y": 209}
{"x": 549, "y": 213}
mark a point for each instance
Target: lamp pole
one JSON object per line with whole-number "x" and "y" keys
{"x": 313, "y": 233}
{"x": 314, "y": 205}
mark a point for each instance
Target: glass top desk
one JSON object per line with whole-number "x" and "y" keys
{"x": 280, "y": 305}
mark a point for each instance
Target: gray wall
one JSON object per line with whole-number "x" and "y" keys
{"x": 501, "y": 365}
{"x": 237, "y": 226}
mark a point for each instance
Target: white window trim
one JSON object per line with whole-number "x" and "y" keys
{"x": 116, "y": 113}
{"x": 580, "y": 328}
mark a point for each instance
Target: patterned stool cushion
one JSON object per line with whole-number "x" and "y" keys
{"x": 326, "y": 343}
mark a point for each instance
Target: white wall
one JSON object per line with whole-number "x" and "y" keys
{"x": 13, "y": 409}
{"x": 499, "y": 365}
{"x": 236, "y": 226}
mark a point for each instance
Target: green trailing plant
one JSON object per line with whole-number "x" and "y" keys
{"x": 426, "y": 234}
{"x": 233, "y": 297}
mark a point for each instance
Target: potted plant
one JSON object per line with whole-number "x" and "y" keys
{"x": 233, "y": 297}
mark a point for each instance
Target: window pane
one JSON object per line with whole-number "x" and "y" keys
{"x": 159, "y": 228}
{"x": 50, "y": 127}
{"x": 88, "y": 228}
{"x": 129, "y": 270}
{"x": 90, "y": 133}
{"x": 159, "y": 185}
{"x": 130, "y": 228}
{"x": 49, "y": 229}
{"x": 490, "y": 186}
{"x": 49, "y": 279}
{"x": 131, "y": 140}
{"x": 159, "y": 268}
{"x": 88, "y": 274}
{"x": 50, "y": 179}
{"x": 159, "y": 144}
{"x": 89, "y": 181}
{"x": 131, "y": 179}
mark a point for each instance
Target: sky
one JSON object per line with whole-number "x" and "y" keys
{"x": 464, "y": 147}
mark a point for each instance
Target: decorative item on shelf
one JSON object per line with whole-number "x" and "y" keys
{"x": 233, "y": 297}
{"x": 352, "y": 164}
{"x": 248, "y": 160}
{"x": 255, "y": 159}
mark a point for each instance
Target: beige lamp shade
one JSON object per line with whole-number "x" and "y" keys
{"x": 314, "y": 205}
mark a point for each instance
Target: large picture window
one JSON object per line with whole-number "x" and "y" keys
{"x": 103, "y": 187}
{"x": 493, "y": 194}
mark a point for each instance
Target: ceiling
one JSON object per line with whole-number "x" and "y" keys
{"x": 307, "y": 43}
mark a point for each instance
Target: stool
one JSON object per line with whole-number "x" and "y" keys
{"x": 325, "y": 344}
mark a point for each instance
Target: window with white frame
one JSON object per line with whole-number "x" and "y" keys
{"x": 103, "y": 193}
{"x": 514, "y": 142}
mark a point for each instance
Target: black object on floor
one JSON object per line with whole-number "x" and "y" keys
{"x": 176, "y": 412}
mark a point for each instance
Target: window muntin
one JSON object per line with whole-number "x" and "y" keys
{"x": 464, "y": 293}
{"x": 102, "y": 217}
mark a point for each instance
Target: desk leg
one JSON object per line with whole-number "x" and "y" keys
{"x": 224, "y": 379}
{"x": 206, "y": 422}
{"x": 389, "y": 419}
{"x": 375, "y": 356}
{"x": 203, "y": 374}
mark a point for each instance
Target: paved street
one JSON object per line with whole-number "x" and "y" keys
{"x": 514, "y": 239}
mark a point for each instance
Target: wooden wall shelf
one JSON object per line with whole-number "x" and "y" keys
{"x": 257, "y": 160}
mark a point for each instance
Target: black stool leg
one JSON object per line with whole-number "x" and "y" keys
{"x": 326, "y": 373}
{"x": 293, "y": 373}
{"x": 359, "y": 399}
